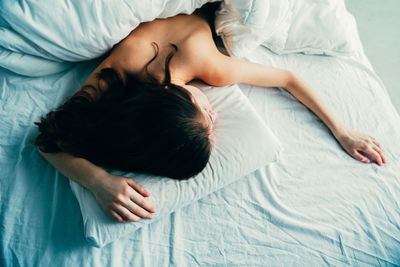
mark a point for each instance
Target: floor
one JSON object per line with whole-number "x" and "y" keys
{"x": 379, "y": 27}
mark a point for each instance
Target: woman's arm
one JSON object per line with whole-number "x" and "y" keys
{"x": 221, "y": 70}
{"x": 353, "y": 143}
{"x": 121, "y": 197}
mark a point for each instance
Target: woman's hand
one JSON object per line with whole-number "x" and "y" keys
{"x": 361, "y": 147}
{"x": 122, "y": 198}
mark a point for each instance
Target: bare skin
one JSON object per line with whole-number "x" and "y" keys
{"x": 197, "y": 58}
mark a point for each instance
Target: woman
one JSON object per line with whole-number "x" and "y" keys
{"x": 136, "y": 112}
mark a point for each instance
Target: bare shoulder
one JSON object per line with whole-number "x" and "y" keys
{"x": 194, "y": 55}
{"x": 221, "y": 70}
{"x": 214, "y": 67}
{"x": 132, "y": 54}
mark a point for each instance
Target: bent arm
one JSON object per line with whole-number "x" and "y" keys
{"x": 77, "y": 169}
{"x": 122, "y": 198}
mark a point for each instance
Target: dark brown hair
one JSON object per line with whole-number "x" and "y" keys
{"x": 137, "y": 126}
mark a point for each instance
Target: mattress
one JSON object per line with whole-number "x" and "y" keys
{"x": 317, "y": 206}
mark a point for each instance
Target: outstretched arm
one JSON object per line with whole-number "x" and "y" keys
{"x": 222, "y": 70}
{"x": 121, "y": 197}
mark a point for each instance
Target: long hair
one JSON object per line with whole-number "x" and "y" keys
{"x": 136, "y": 126}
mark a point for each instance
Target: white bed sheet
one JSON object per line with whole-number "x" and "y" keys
{"x": 316, "y": 207}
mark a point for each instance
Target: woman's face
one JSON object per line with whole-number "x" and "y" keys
{"x": 201, "y": 101}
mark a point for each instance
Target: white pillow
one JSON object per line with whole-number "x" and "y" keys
{"x": 243, "y": 143}
{"x": 322, "y": 27}
{"x": 291, "y": 26}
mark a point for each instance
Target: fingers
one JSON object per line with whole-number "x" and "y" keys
{"x": 379, "y": 150}
{"x": 376, "y": 151}
{"x": 122, "y": 215}
{"x": 139, "y": 206}
{"x": 363, "y": 147}
{"x": 139, "y": 188}
{"x": 131, "y": 206}
{"x": 124, "y": 199}
{"x": 376, "y": 143}
{"x": 371, "y": 149}
{"x": 116, "y": 216}
{"x": 126, "y": 214}
{"x": 134, "y": 205}
{"x": 360, "y": 157}
{"x": 374, "y": 154}
{"x": 139, "y": 199}
{"x": 143, "y": 204}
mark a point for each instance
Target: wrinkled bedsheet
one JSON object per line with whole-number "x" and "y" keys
{"x": 315, "y": 207}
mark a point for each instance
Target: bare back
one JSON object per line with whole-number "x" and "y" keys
{"x": 191, "y": 34}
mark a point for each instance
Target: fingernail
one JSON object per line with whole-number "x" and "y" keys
{"x": 150, "y": 216}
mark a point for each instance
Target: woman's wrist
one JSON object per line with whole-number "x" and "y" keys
{"x": 340, "y": 132}
{"x": 94, "y": 178}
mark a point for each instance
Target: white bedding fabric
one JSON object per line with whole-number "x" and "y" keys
{"x": 322, "y": 27}
{"x": 242, "y": 144}
{"x": 74, "y": 30}
{"x": 317, "y": 207}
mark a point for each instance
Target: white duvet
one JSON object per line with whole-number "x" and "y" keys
{"x": 40, "y": 37}
{"x": 49, "y": 34}
{"x": 316, "y": 207}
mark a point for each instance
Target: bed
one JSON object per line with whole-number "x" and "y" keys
{"x": 316, "y": 206}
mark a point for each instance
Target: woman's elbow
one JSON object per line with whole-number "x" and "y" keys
{"x": 291, "y": 80}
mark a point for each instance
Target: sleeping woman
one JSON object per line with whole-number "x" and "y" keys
{"x": 136, "y": 112}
